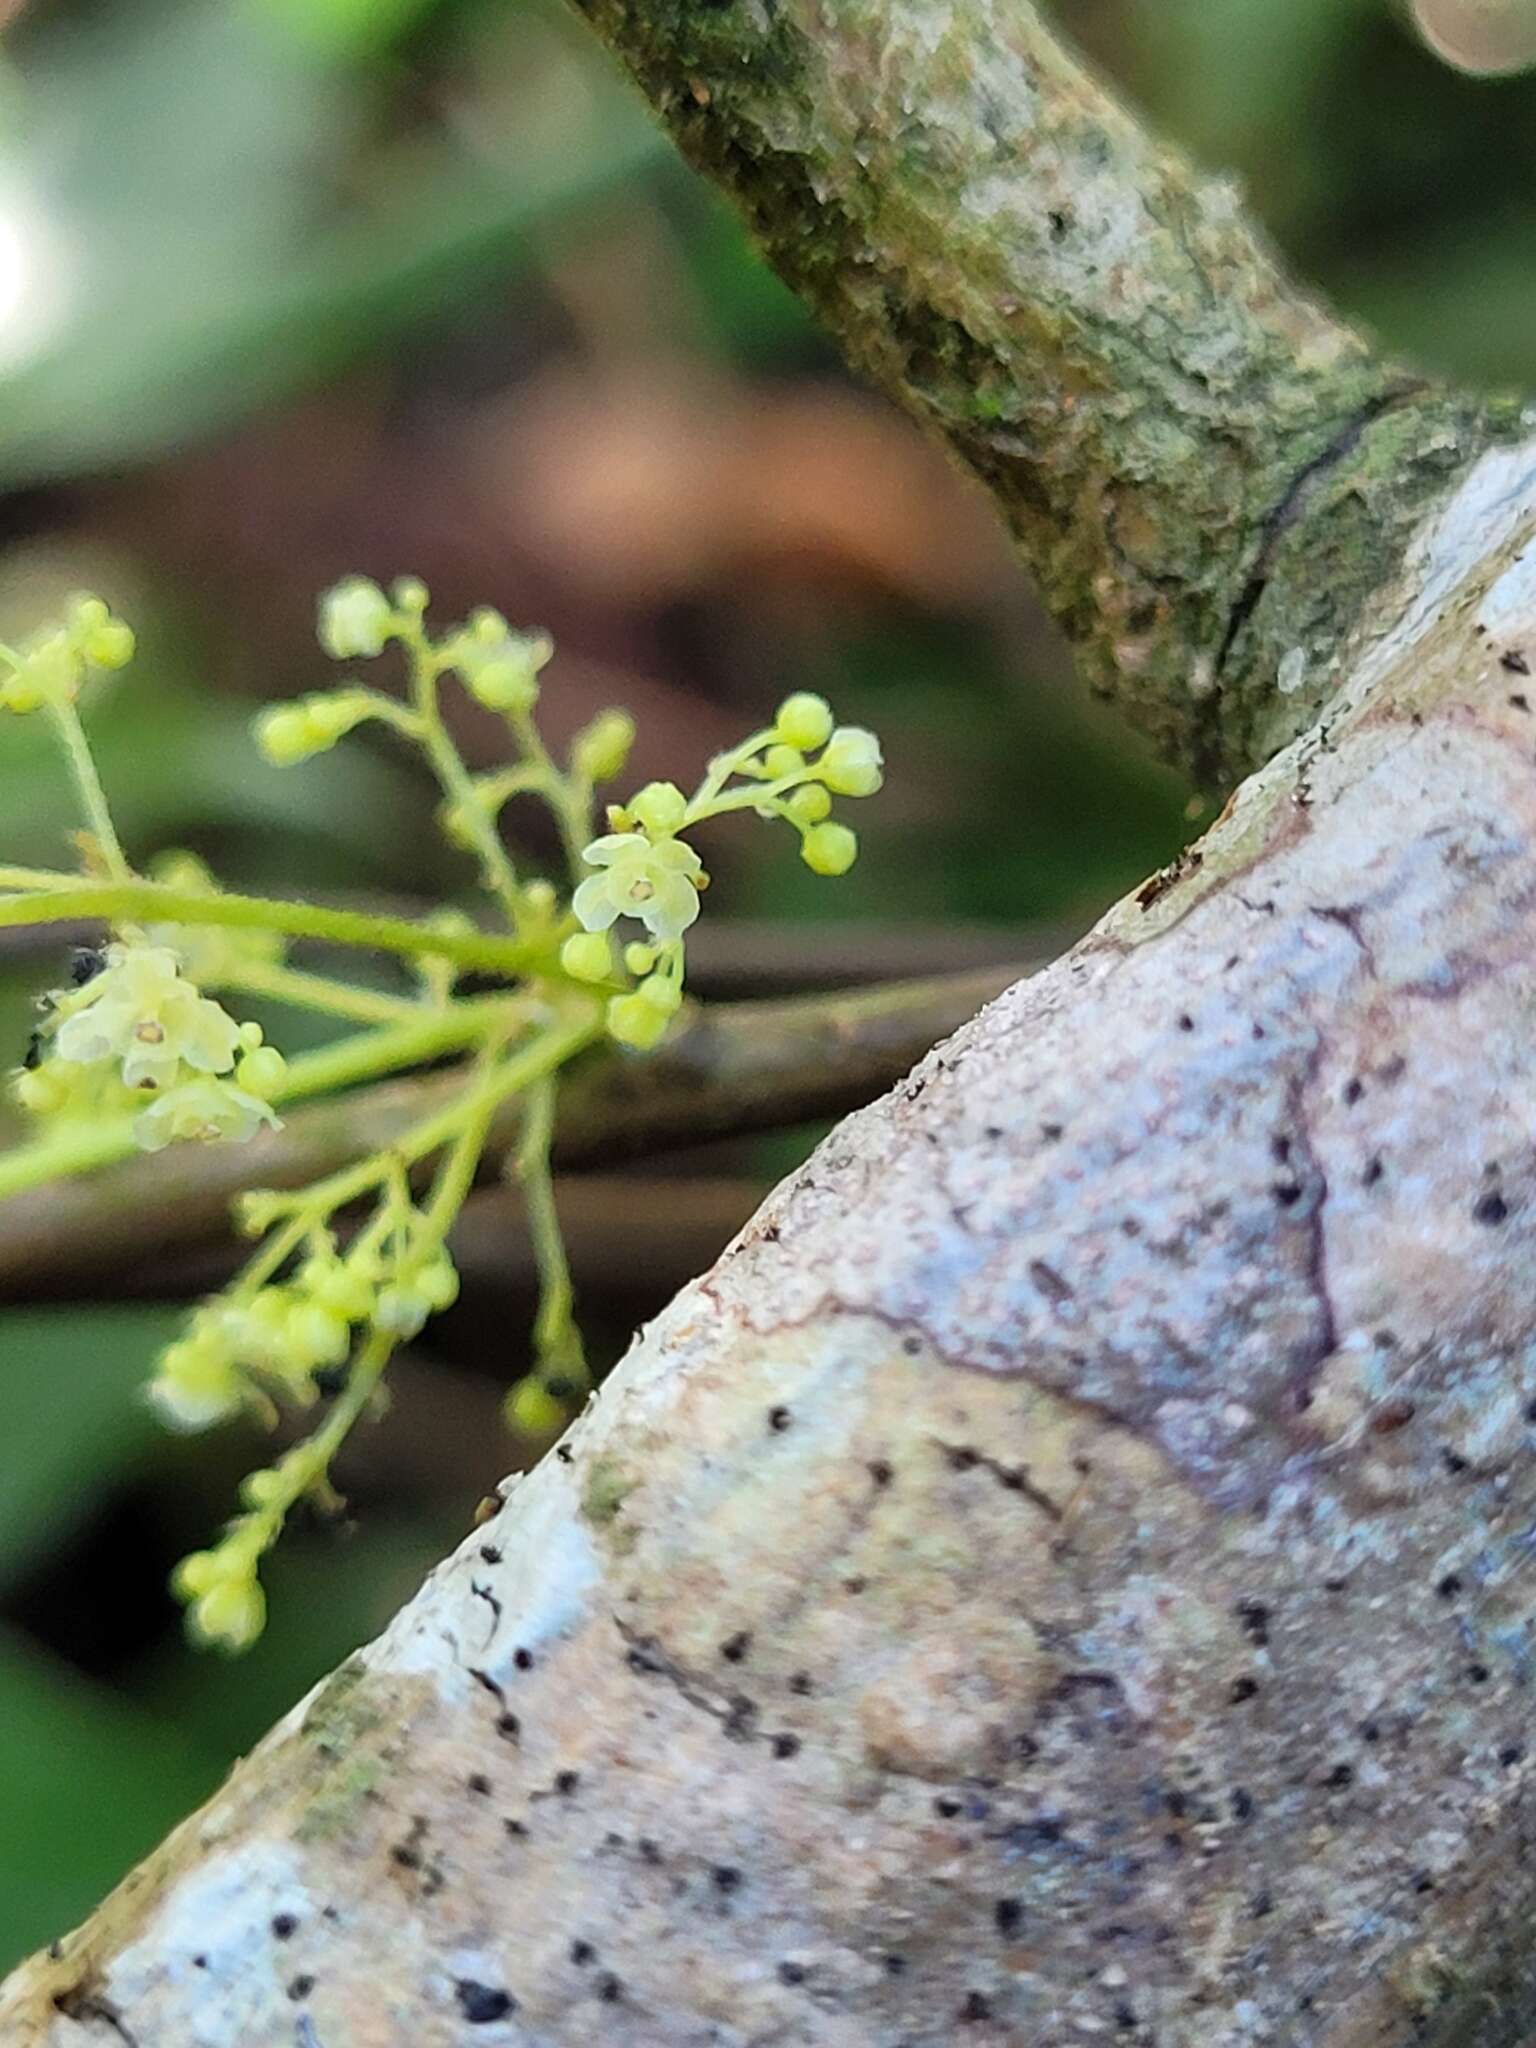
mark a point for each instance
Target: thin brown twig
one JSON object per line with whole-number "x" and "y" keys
{"x": 732, "y": 1069}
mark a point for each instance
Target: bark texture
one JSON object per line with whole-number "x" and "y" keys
{"x": 1066, "y": 1572}
{"x": 1208, "y": 475}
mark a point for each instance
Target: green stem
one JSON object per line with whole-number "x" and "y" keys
{"x": 309, "y": 1463}
{"x": 308, "y": 1466}
{"x": 571, "y": 806}
{"x": 702, "y": 802}
{"x": 543, "y": 1055}
{"x": 557, "y": 1341}
{"x": 456, "y": 781}
{"x": 45, "y": 898}
{"x": 320, "y": 992}
{"x": 88, "y": 783}
{"x": 749, "y": 799}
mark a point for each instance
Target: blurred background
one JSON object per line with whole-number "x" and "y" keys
{"x": 290, "y": 288}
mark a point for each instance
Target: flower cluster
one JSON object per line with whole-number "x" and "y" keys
{"x": 647, "y": 871}
{"x": 347, "y": 1269}
{"x": 138, "y": 1023}
{"x": 291, "y": 1338}
{"x": 51, "y": 666}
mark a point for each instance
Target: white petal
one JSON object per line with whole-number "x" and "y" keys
{"x": 593, "y": 903}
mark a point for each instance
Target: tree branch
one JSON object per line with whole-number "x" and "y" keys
{"x": 1208, "y": 475}
{"x": 734, "y": 1068}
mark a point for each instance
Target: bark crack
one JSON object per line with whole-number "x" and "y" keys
{"x": 1293, "y": 504}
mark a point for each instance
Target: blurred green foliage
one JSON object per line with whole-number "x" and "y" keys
{"x": 291, "y": 284}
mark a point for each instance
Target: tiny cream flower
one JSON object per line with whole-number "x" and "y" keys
{"x": 142, "y": 1012}
{"x": 205, "y": 1108}
{"x": 651, "y": 880}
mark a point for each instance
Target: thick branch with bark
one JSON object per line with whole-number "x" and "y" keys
{"x": 1065, "y": 1573}
{"x": 1208, "y": 475}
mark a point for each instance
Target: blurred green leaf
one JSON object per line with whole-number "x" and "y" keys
{"x": 88, "y": 1785}
{"x": 332, "y": 28}
{"x": 191, "y": 163}
{"x": 74, "y": 1422}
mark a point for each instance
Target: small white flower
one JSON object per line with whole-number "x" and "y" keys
{"x": 650, "y": 880}
{"x": 141, "y": 1012}
{"x": 205, "y": 1108}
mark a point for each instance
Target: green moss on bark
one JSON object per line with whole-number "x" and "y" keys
{"x": 1203, "y": 469}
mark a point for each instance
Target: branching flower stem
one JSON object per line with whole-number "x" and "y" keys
{"x": 41, "y": 896}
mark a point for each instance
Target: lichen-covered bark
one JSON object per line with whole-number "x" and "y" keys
{"x": 1207, "y": 474}
{"x": 1066, "y": 1573}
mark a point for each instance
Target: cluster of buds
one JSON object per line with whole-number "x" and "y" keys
{"x": 226, "y": 1608}
{"x": 51, "y": 666}
{"x": 645, "y": 869}
{"x": 292, "y": 1338}
{"x": 136, "y": 1027}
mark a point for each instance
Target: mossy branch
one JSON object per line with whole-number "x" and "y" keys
{"x": 1208, "y": 475}
{"x": 729, "y": 1069}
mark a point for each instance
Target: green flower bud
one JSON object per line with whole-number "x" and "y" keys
{"x": 600, "y": 750}
{"x": 634, "y": 1022}
{"x": 659, "y": 808}
{"x": 781, "y": 761}
{"x": 356, "y": 619}
{"x": 809, "y": 804}
{"x": 287, "y": 733}
{"x": 533, "y": 1411}
{"x": 260, "y": 1489}
{"x": 502, "y": 673}
{"x": 439, "y": 1282}
{"x": 261, "y": 1071}
{"x": 283, "y": 735}
{"x": 829, "y": 849}
{"x": 639, "y": 958}
{"x": 587, "y": 956}
{"x": 196, "y": 1574}
{"x": 340, "y": 1288}
{"x": 804, "y": 720}
{"x": 852, "y": 762}
{"x": 662, "y": 993}
{"x": 401, "y": 1309}
{"x": 410, "y": 594}
{"x": 231, "y": 1615}
{"x": 315, "y": 1337}
{"x": 50, "y": 671}
{"x": 196, "y": 1384}
{"x": 258, "y": 1209}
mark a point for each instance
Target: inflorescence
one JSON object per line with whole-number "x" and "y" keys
{"x": 350, "y": 1267}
